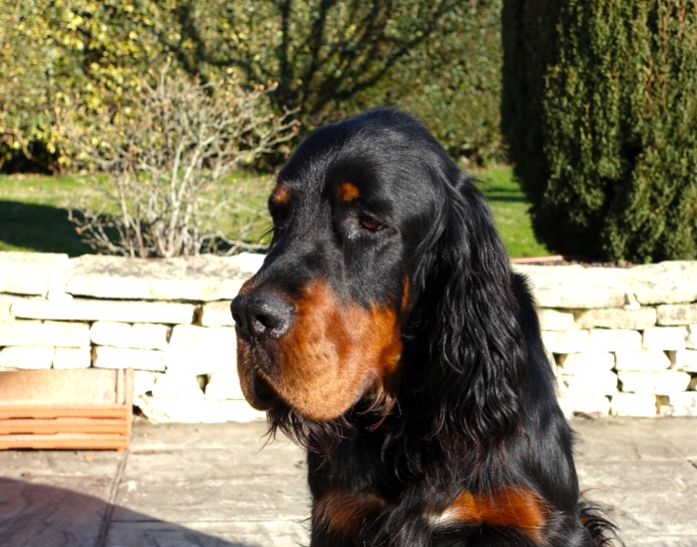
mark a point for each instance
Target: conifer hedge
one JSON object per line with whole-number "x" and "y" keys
{"x": 599, "y": 109}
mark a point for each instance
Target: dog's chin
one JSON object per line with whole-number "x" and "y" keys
{"x": 260, "y": 394}
{"x": 257, "y": 390}
{"x": 269, "y": 383}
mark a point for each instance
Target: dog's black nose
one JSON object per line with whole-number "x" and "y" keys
{"x": 261, "y": 315}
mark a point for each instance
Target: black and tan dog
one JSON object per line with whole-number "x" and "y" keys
{"x": 387, "y": 334}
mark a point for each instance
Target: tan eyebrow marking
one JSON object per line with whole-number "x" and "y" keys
{"x": 280, "y": 194}
{"x": 348, "y": 192}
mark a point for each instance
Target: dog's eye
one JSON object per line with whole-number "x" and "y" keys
{"x": 370, "y": 223}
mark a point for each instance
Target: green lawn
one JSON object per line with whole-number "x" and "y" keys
{"x": 33, "y": 215}
{"x": 510, "y": 208}
{"x": 33, "y": 211}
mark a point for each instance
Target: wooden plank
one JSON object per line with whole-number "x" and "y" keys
{"x": 63, "y": 425}
{"x": 67, "y": 441}
{"x": 55, "y": 411}
{"x": 65, "y": 387}
{"x": 66, "y": 409}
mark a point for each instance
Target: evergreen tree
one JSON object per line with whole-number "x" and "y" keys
{"x": 600, "y": 112}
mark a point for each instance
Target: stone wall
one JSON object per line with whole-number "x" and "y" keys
{"x": 622, "y": 341}
{"x": 167, "y": 319}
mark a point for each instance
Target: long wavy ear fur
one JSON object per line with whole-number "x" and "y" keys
{"x": 476, "y": 357}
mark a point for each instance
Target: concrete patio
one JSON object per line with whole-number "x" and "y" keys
{"x": 214, "y": 485}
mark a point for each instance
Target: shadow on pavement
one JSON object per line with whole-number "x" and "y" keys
{"x": 33, "y": 515}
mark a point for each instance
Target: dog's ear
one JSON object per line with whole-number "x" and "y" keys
{"x": 477, "y": 351}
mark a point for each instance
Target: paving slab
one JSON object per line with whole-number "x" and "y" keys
{"x": 45, "y": 465}
{"x": 647, "y": 499}
{"x": 643, "y": 471}
{"x": 55, "y": 511}
{"x": 207, "y": 534}
{"x": 262, "y": 497}
{"x": 223, "y": 485}
{"x": 630, "y": 439}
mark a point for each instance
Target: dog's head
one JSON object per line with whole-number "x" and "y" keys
{"x": 320, "y": 324}
{"x": 363, "y": 217}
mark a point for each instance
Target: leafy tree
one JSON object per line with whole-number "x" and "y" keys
{"x": 600, "y": 111}
{"x": 26, "y": 76}
{"x": 56, "y": 52}
{"x": 452, "y": 82}
{"x": 328, "y": 58}
{"x": 320, "y": 52}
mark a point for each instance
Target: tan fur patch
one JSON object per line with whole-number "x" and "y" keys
{"x": 345, "y": 511}
{"x": 405, "y": 294}
{"x": 348, "y": 192}
{"x": 280, "y": 194}
{"x": 333, "y": 354}
{"x": 514, "y": 507}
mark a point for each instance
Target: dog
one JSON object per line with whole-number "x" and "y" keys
{"x": 387, "y": 334}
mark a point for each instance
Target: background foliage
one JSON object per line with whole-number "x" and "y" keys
{"x": 159, "y": 157}
{"x": 452, "y": 82}
{"x": 328, "y": 58}
{"x": 600, "y": 111}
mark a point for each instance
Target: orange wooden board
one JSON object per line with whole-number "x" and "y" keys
{"x": 65, "y": 387}
{"x": 66, "y": 409}
{"x": 69, "y": 441}
{"x": 58, "y": 411}
{"x": 62, "y": 425}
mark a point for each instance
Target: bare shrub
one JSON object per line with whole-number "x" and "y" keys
{"x": 157, "y": 155}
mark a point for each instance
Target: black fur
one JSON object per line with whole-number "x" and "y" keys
{"x": 472, "y": 405}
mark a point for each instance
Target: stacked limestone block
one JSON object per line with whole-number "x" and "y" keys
{"x": 622, "y": 340}
{"x": 167, "y": 319}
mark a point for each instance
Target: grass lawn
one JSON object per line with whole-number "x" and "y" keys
{"x": 33, "y": 215}
{"x": 33, "y": 211}
{"x": 510, "y": 208}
